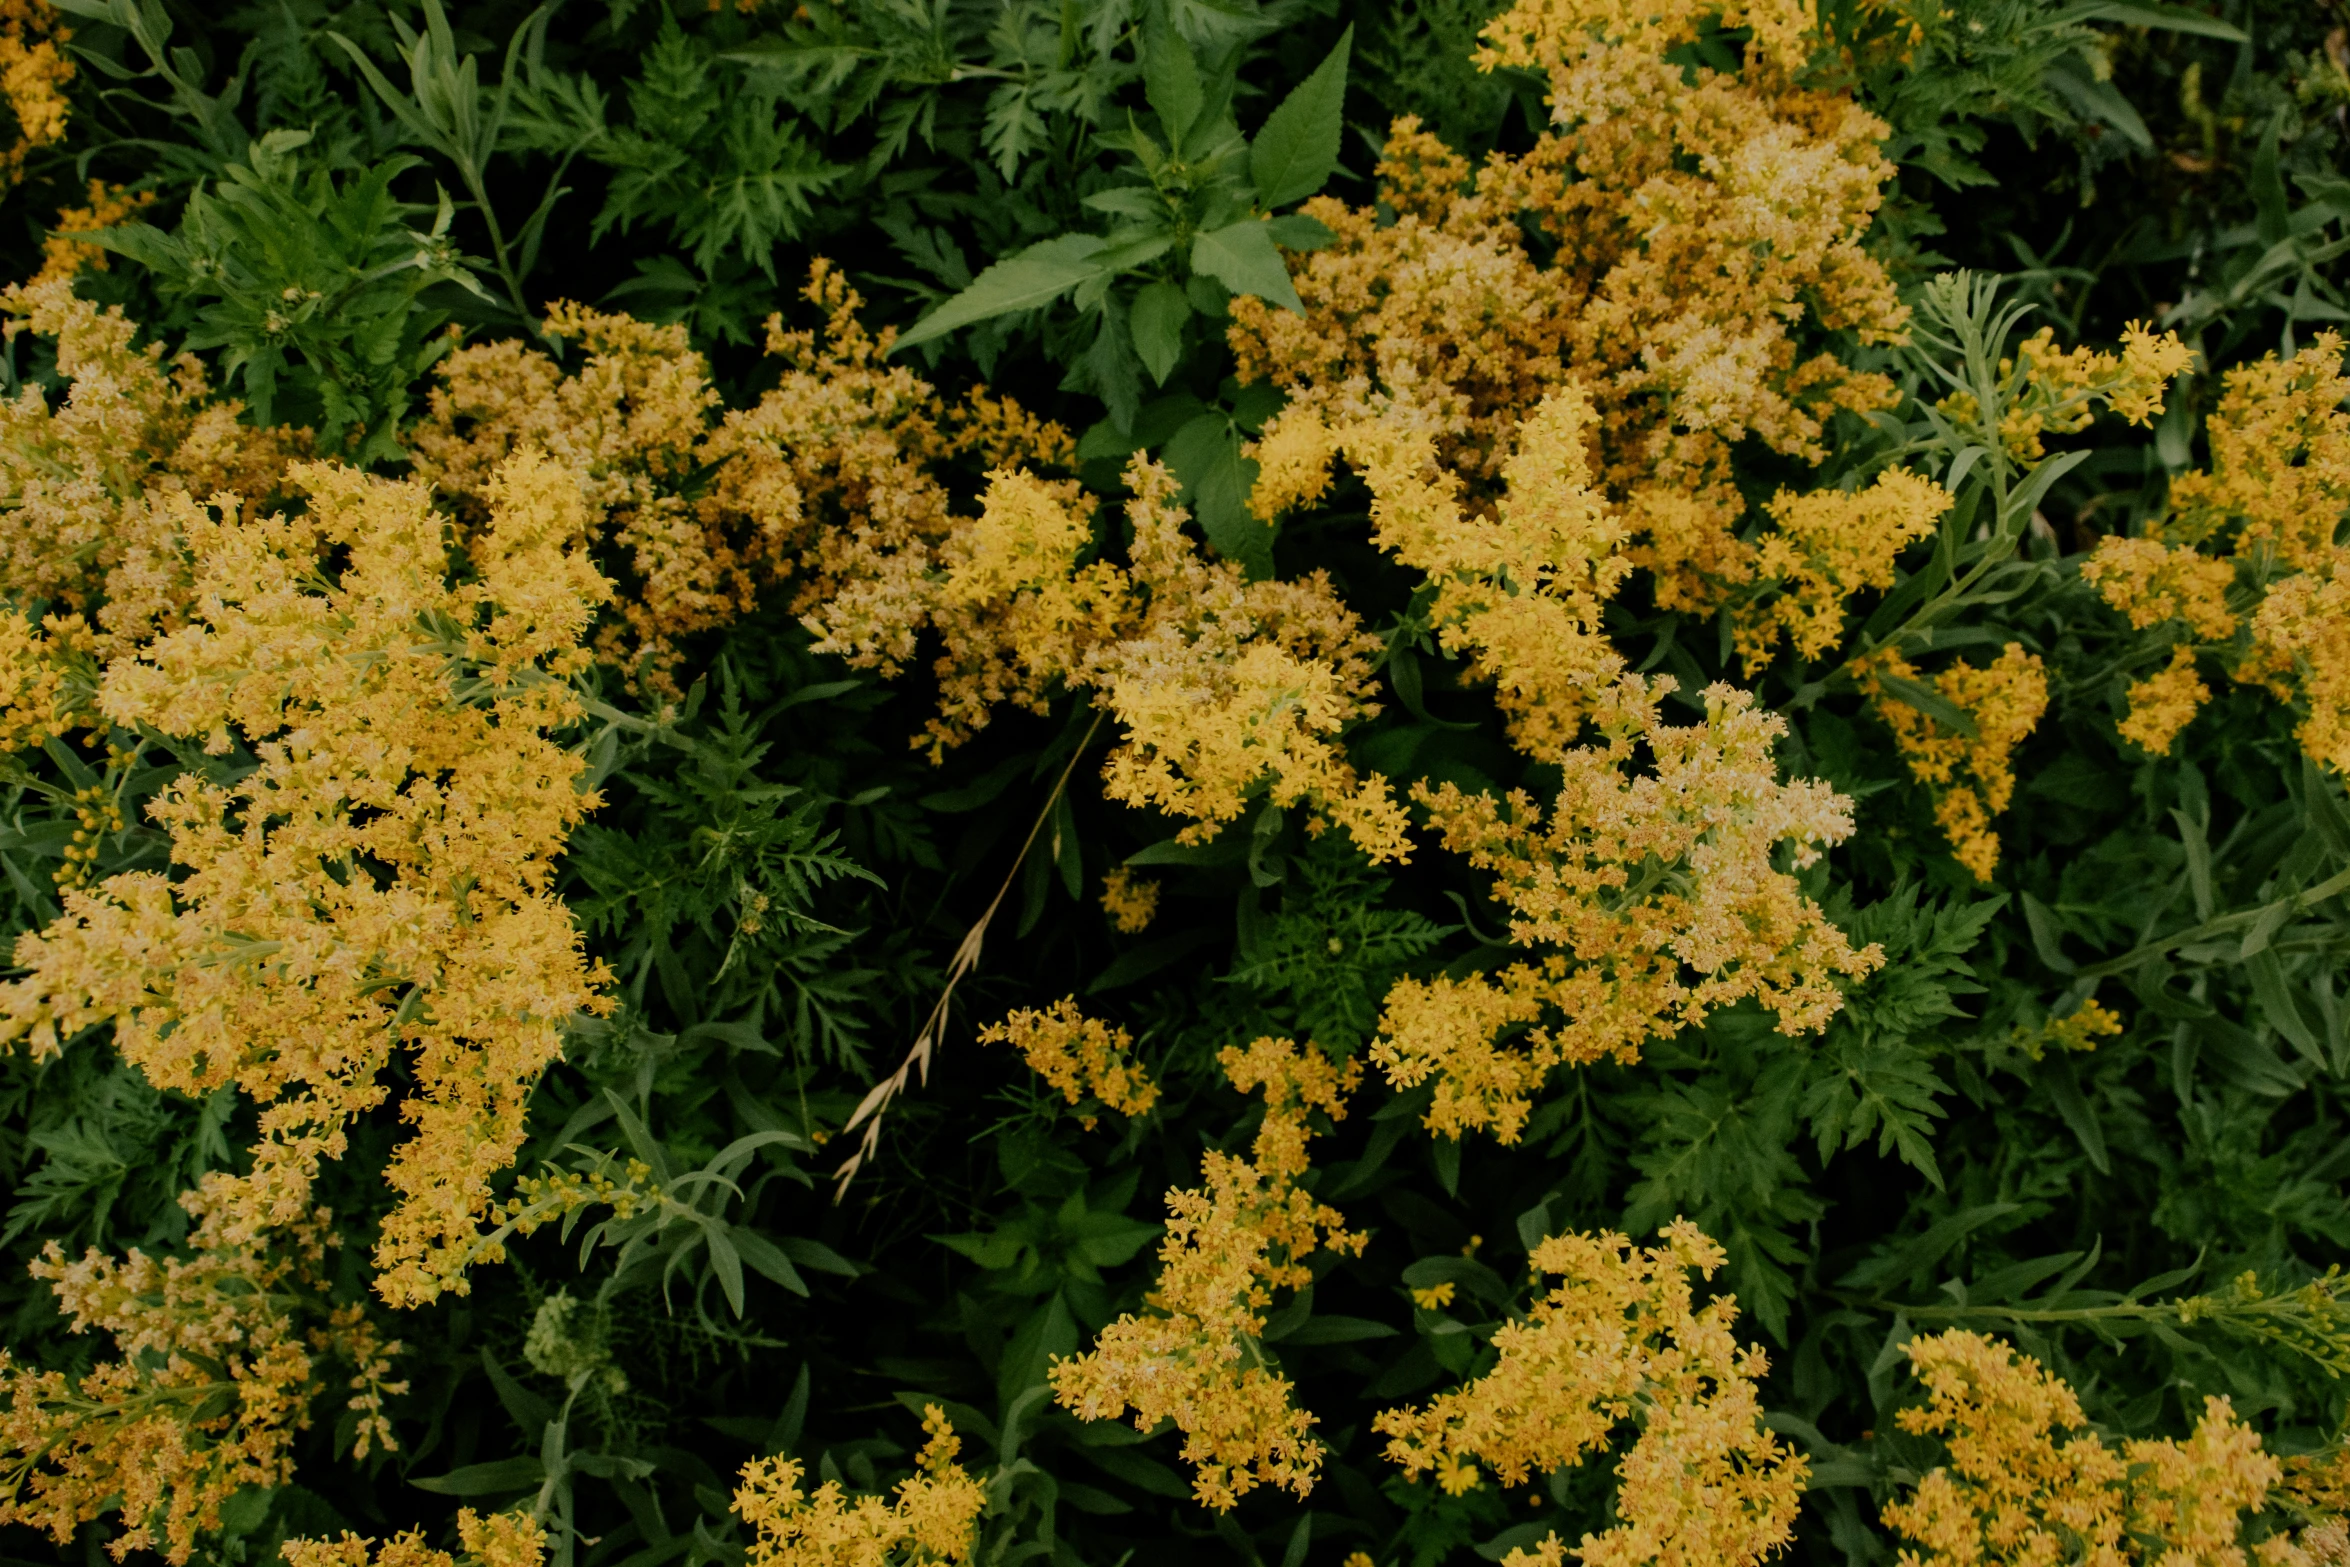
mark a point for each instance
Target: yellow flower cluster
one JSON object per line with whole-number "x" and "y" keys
{"x": 2048, "y": 390}
{"x": 1620, "y": 1342}
{"x": 62, "y": 255}
{"x": 1519, "y": 592}
{"x": 48, "y": 678}
{"x": 2163, "y": 703}
{"x": 1971, "y": 774}
{"x": 499, "y": 1540}
{"x": 827, "y": 480}
{"x": 1224, "y": 687}
{"x": 2027, "y": 1481}
{"x": 1698, "y": 225}
{"x": 1824, "y": 548}
{"x": 2246, "y": 556}
{"x": 2079, "y": 1029}
{"x": 213, "y": 1380}
{"x": 1130, "y": 901}
{"x": 98, "y": 491}
{"x": 381, "y": 877}
{"x": 1657, "y": 897}
{"x": 34, "y": 72}
{"x": 1194, "y": 1358}
{"x": 932, "y": 1519}
{"x": 1081, "y": 1056}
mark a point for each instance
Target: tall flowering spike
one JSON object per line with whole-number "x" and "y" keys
{"x": 1650, "y": 899}
{"x": 380, "y": 880}
{"x": 2027, "y": 1479}
{"x": 931, "y": 1520}
{"x": 216, "y": 1375}
{"x": 1972, "y": 776}
{"x": 1193, "y": 1358}
{"x": 1620, "y": 1343}
{"x": 1519, "y": 592}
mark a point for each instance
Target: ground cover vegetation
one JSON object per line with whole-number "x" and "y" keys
{"x": 1140, "y": 781}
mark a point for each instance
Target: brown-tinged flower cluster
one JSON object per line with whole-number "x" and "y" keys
{"x": 1082, "y": 1057}
{"x": 498, "y": 1540}
{"x": 829, "y": 481}
{"x": 1651, "y": 897}
{"x": 1130, "y": 901}
{"x": 214, "y": 1377}
{"x": 2027, "y": 1480}
{"x": 1703, "y": 232}
{"x": 99, "y": 491}
{"x": 2244, "y": 567}
{"x": 1620, "y": 1343}
{"x": 932, "y": 1519}
{"x": 34, "y": 73}
{"x": 1194, "y": 1358}
{"x": 1225, "y": 689}
{"x": 380, "y": 879}
{"x": 1971, "y": 774}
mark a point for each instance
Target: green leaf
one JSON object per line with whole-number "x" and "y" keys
{"x": 506, "y": 1475}
{"x": 2168, "y": 18}
{"x": 1157, "y": 322}
{"x": 1339, "y": 1330}
{"x": 1170, "y": 81}
{"x": 1930, "y": 702}
{"x": 1296, "y": 152}
{"x": 1205, "y": 455}
{"x": 1243, "y": 257}
{"x": 1036, "y": 276}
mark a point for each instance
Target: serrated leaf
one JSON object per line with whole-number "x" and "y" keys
{"x": 1160, "y": 310}
{"x": 1296, "y": 152}
{"x": 1036, "y": 276}
{"x": 1170, "y": 81}
{"x": 1243, "y": 257}
{"x": 1205, "y": 455}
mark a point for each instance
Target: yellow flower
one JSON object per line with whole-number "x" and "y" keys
{"x": 1825, "y": 547}
{"x": 62, "y": 255}
{"x": 828, "y": 481}
{"x": 1632, "y": 885}
{"x": 34, "y": 72}
{"x": 932, "y": 1519}
{"x": 1620, "y": 1343}
{"x": 397, "y": 721}
{"x": 2026, "y": 1481}
{"x": 1193, "y": 1357}
{"x": 1078, "y": 1055}
{"x": 2079, "y": 1029}
{"x": 214, "y": 1380}
{"x": 1435, "y": 1297}
{"x": 499, "y": 1540}
{"x": 99, "y": 490}
{"x": 1129, "y": 900}
{"x": 2151, "y": 582}
{"x": 2162, "y": 704}
{"x": 1972, "y": 775}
